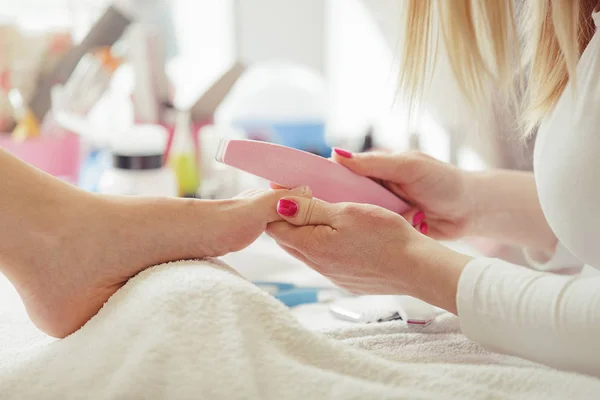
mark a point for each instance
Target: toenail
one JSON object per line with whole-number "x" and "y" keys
{"x": 287, "y": 208}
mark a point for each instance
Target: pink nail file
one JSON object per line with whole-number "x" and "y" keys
{"x": 293, "y": 168}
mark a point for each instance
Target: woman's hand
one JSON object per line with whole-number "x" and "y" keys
{"x": 367, "y": 249}
{"x": 497, "y": 204}
{"x": 438, "y": 191}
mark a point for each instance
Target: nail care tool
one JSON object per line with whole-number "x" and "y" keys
{"x": 89, "y": 81}
{"x": 105, "y": 32}
{"x": 371, "y": 309}
{"x": 292, "y": 295}
{"x": 293, "y": 168}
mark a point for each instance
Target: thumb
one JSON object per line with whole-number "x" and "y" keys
{"x": 379, "y": 165}
{"x": 304, "y": 211}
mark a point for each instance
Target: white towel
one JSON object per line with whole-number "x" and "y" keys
{"x": 192, "y": 330}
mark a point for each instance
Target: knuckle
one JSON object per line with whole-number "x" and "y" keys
{"x": 308, "y": 212}
{"x": 410, "y": 163}
{"x": 350, "y": 209}
{"x": 376, "y": 213}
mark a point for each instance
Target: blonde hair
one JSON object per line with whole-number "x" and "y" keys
{"x": 481, "y": 38}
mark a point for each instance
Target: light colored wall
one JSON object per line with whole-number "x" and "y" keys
{"x": 289, "y": 30}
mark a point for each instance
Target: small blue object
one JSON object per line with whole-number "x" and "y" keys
{"x": 291, "y": 295}
{"x": 302, "y": 135}
{"x": 95, "y": 164}
{"x": 281, "y": 286}
{"x": 296, "y": 297}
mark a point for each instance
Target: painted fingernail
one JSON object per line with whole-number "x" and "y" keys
{"x": 342, "y": 153}
{"x": 287, "y": 208}
{"x": 424, "y": 228}
{"x": 418, "y": 218}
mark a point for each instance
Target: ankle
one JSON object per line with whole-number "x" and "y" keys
{"x": 32, "y": 238}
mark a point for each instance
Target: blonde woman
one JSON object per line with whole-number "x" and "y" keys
{"x": 554, "y": 213}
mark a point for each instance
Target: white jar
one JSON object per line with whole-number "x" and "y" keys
{"x": 138, "y": 166}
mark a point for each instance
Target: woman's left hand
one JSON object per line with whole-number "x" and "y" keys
{"x": 368, "y": 250}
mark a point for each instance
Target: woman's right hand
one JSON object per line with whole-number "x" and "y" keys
{"x": 438, "y": 192}
{"x": 449, "y": 203}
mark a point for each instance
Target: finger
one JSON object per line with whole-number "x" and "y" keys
{"x": 395, "y": 188}
{"x": 289, "y": 235}
{"x": 306, "y": 211}
{"x": 268, "y": 200}
{"x": 387, "y": 166}
{"x": 414, "y": 216}
{"x": 417, "y": 219}
{"x": 424, "y": 228}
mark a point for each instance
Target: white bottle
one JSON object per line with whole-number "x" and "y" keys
{"x": 219, "y": 181}
{"x": 138, "y": 164}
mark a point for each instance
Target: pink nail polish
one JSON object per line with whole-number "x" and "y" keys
{"x": 424, "y": 228}
{"x": 418, "y": 218}
{"x": 287, "y": 208}
{"x": 342, "y": 153}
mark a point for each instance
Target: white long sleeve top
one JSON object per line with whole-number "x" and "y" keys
{"x": 545, "y": 317}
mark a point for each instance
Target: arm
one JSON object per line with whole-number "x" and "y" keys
{"x": 505, "y": 206}
{"x": 543, "y": 317}
{"x": 547, "y": 318}
{"x": 368, "y": 250}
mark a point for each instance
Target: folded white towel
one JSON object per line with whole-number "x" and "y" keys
{"x": 197, "y": 330}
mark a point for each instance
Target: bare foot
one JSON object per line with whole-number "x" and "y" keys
{"x": 72, "y": 264}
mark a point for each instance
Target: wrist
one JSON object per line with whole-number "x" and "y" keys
{"x": 505, "y": 206}
{"x": 489, "y": 203}
{"x": 475, "y": 183}
{"x": 436, "y": 273}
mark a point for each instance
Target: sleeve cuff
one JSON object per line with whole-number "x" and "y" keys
{"x": 469, "y": 290}
{"x": 561, "y": 260}
{"x": 540, "y": 316}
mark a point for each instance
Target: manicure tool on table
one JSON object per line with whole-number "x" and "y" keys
{"x": 383, "y": 308}
{"x": 292, "y": 295}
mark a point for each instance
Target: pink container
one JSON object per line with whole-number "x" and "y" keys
{"x": 57, "y": 154}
